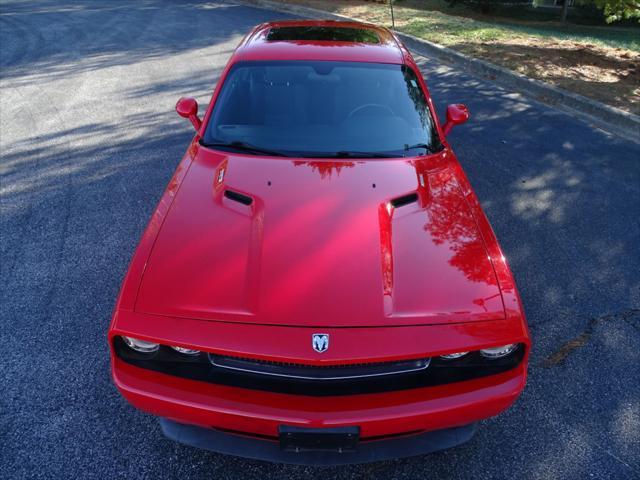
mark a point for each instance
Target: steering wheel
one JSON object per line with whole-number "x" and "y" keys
{"x": 370, "y": 105}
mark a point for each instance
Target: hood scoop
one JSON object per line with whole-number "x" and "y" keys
{"x": 404, "y": 200}
{"x": 238, "y": 197}
{"x": 323, "y": 249}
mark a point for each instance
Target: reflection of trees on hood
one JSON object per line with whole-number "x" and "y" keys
{"x": 419, "y": 101}
{"x": 451, "y": 223}
{"x": 325, "y": 169}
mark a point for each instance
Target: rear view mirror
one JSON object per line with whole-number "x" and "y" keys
{"x": 457, "y": 114}
{"x": 188, "y": 108}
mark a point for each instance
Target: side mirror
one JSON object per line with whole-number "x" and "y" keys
{"x": 188, "y": 108}
{"x": 457, "y": 114}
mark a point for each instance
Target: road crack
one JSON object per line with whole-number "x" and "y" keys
{"x": 566, "y": 349}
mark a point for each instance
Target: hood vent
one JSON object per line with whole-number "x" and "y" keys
{"x": 238, "y": 197}
{"x": 404, "y": 200}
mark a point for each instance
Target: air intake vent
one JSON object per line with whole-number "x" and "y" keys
{"x": 404, "y": 200}
{"x": 238, "y": 197}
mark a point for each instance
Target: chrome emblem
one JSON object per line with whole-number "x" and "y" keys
{"x": 320, "y": 342}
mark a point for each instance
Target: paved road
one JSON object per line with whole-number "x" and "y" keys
{"x": 88, "y": 141}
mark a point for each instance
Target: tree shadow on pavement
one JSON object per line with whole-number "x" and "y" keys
{"x": 43, "y": 41}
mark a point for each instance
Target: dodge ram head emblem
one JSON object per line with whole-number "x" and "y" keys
{"x": 320, "y": 342}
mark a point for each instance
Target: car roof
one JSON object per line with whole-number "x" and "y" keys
{"x": 316, "y": 40}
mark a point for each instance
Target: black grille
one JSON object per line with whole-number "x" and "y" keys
{"x": 318, "y": 381}
{"x": 321, "y": 373}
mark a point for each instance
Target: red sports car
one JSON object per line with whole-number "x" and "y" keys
{"x": 318, "y": 283}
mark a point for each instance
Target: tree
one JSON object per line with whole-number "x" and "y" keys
{"x": 616, "y": 10}
{"x": 613, "y": 10}
{"x": 565, "y": 10}
{"x": 393, "y": 18}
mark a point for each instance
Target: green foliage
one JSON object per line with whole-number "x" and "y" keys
{"x": 616, "y": 10}
{"x": 613, "y": 10}
{"x": 484, "y": 6}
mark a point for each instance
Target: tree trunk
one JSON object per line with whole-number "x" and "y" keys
{"x": 565, "y": 11}
{"x": 393, "y": 20}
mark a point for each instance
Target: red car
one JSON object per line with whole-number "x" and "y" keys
{"x": 318, "y": 284}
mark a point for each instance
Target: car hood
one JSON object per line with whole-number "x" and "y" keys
{"x": 321, "y": 243}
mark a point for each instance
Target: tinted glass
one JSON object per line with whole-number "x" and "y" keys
{"x": 317, "y": 109}
{"x": 333, "y": 34}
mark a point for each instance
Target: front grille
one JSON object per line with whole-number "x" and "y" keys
{"x": 321, "y": 373}
{"x": 299, "y": 379}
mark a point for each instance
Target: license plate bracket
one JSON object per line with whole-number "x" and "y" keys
{"x": 302, "y": 439}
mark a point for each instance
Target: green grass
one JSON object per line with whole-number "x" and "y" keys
{"x": 440, "y": 23}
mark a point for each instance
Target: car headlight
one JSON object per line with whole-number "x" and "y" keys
{"x": 185, "y": 351}
{"x": 141, "y": 346}
{"x": 499, "y": 352}
{"x": 453, "y": 356}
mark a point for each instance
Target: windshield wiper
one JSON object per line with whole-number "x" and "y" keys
{"x": 426, "y": 146}
{"x": 244, "y": 147}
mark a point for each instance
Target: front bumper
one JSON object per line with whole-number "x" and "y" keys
{"x": 270, "y": 450}
{"x": 399, "y": 413}
{"x": 261, "y": 413}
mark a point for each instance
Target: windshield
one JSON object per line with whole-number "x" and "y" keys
{"x": 322, "y": 109}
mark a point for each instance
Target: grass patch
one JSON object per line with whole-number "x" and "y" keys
{"x": 435, "y": 20}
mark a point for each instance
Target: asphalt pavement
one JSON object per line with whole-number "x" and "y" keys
{"x": 88, "y": 141}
